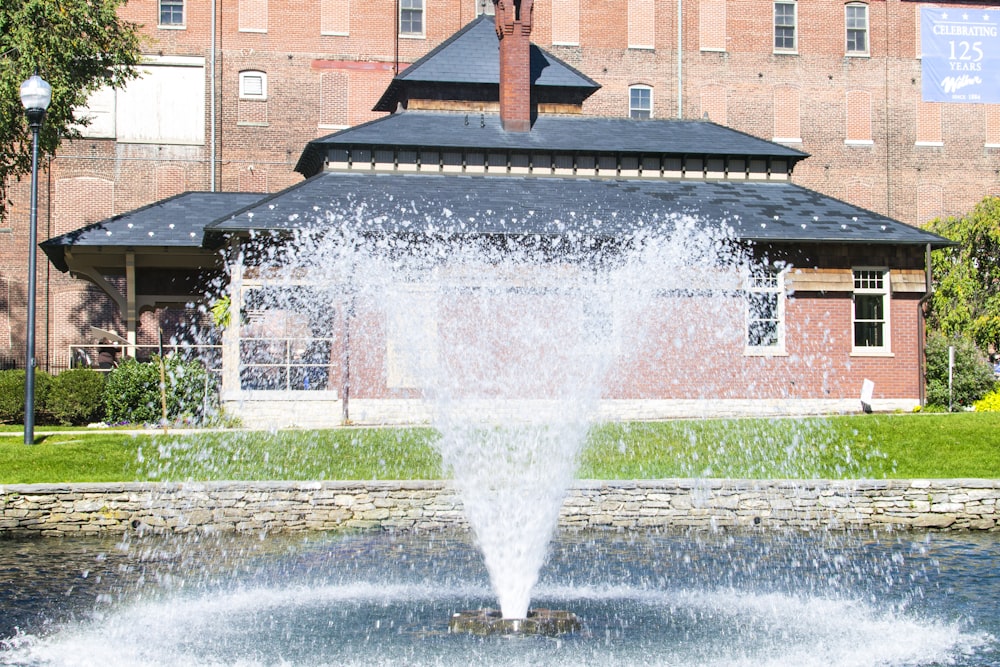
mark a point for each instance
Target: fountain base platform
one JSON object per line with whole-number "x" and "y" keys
{"x": 546, "y": 622}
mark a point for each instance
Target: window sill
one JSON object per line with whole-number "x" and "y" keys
{"x": 565, "y": 43}
{"x": 786, "y": 140}
{"x": 259, "y": 31}
{"x": 334, "y": 33}
{"x": 764, "y": 352}
{"x": 786, "y": 52}
{"x": 408, "y": 35}
{"x": 930, "y": 144}
{"x": 239, "y": 124}
{"x": 171, "y": 26}
{"x": 711, "y": 49}
{"x": 857, "y": 55}
{"x": 861, "y": 352}
{"x": 858, "y": 142}
{"x": 641, "y": 47}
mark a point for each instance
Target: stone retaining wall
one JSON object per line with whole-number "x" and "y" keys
{"x": 58, "y": 509}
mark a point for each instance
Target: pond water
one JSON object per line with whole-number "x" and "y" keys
{"x": 657, "y": 598}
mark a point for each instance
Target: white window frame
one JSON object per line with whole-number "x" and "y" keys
{"x": 794, "y": 26}
{"x": 485, "y": 7}
{"x": 245, "y": 78}
{"x": 768, "y": 280}
{"x": 632, "y": 109}
{"x": 871, "y": 281}
{"x": 416, "y": 7}
{"x": 850, "y": 26}
{"x": 172, "y": 25}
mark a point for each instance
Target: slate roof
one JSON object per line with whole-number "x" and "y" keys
{"x": 760, "y": 211}
{"x": 471, "y": 56}
{"x": 557, "y": 134}
{"x": 178, "y": 222}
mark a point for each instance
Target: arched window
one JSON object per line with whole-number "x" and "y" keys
{"x": 640, "y": 102}
{"x": 253, "y": 85}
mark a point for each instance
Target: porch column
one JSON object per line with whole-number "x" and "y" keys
{"x": 231, "y": 331}
{"x": 131, "y": 309}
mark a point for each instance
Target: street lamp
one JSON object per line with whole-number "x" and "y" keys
{"x": 36, "y": 94}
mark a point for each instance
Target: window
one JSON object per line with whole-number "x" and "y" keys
{"x": 640, "y": 102}
{"x": 485, "y": 7}
{"x": 165, "y": 105}
{"x": 857, "y": 29}
{"x": 784, "y": 26}
{"x": 171, "y": 12}
{"x": 765, "y": 310}
{"x": 871, "y": 310}
{"x": 253, "y": 85}
{"x": 411, "y": 17}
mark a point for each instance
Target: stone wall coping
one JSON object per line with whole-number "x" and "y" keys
{"x": 710, "y": 504}
{"x": 674, "y": 483}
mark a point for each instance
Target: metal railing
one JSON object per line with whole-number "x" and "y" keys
{"x": 104, "y": 357}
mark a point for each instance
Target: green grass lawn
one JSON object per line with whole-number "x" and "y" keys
{"x": 862, "y": 446}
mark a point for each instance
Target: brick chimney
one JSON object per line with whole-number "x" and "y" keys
{"x": 513, "y": 24}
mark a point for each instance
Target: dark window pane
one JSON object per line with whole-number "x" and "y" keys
{"x": 868, "y": 307}
{"x": 868, "y": 334}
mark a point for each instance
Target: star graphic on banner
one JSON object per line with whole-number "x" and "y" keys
{"x": 986, "y": 17}
{"x": 944, "y": 16}
{"x": 965, "y": 17}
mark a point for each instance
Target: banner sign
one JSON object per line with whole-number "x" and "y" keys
{"x": 961, "y": 54}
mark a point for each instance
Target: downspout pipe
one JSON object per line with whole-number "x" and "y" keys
{"x": 921, "y": 326}
{"x": 680, "y": 59}
{"x": 211, "y": 103}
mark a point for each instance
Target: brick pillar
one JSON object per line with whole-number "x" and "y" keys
{"x": 513, "y": 24}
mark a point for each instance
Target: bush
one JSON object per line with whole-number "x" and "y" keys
{"x": 12, "y": 395}
{"x": 76, "y": 397}
{"x": 990, "y": 402}
{"x": 132, "y": 392}
{"x": 973, "y": 374}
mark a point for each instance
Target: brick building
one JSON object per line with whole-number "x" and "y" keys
{"x": 489, "y": 192}
{"x": 236, "y": 88}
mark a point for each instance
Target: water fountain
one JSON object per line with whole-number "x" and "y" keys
{"x": 522, "y": 339}
{"x": 512, "y": 342}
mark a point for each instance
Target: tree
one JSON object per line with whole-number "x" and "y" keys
{"x": 966, "y": 276}
{"x": 77, "y": 46}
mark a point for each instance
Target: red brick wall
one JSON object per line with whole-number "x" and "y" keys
{"x": 737, "y": 86}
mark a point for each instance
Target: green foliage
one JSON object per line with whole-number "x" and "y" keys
{"x": 990, "y": 402}
{"x": 972, "y": 377}
{"x": 966, "y": 299}
{"x": 76, "y": 397}
{"x": 221, "y": 315}
{"x": 12, "y": 395}
{"x": 132, "y": 392}
{"x": 77, "y": 46}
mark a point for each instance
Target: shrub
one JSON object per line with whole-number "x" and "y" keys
{"x": 132, "y": 392}
{"x": 990, "y": 402}
{"x": 12, "y": 395}
{"x": 76, "y": 397}
{"x": 972, "y": 377}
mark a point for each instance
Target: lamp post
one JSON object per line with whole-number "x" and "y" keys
{"x": 36, "y": 94}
